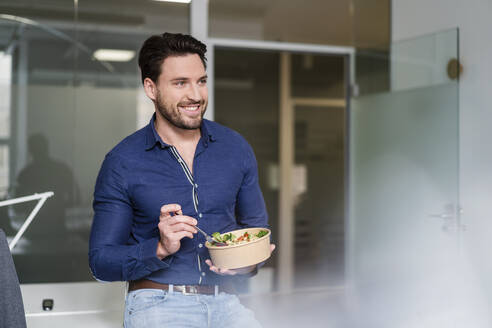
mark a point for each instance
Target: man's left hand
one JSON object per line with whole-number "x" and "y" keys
{"x": 232, "y": 272}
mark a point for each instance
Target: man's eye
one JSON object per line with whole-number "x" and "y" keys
{"x": 179, "y": 83}
{"x": 203, "y": 82}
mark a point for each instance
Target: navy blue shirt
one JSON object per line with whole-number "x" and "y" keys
{"x": 141, "y": 174}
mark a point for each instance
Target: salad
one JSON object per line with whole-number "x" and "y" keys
{"x": 231, "y": 239}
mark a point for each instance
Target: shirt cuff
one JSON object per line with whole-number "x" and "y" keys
{"x": 149, "y": 257}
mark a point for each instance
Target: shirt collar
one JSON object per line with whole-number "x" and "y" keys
{"x": 153, "y": 138}
{"x": 207, "y": 131}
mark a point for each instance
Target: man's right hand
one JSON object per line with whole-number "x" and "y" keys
{"x": 173, "y": 227}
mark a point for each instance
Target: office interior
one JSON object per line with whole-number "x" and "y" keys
{"x": 369, "y": 120}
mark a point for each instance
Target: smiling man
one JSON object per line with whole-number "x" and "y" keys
{"x": 158, "y": 184}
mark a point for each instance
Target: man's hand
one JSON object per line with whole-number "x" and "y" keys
{"x": 173, "y": 227}
{"x": 232, "y": 272}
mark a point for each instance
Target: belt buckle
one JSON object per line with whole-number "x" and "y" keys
{"x": 193, "y": 290}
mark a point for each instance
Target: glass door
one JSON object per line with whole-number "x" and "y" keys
{"x": 292, "y": 111}
{"x": 317, "y": 98}
{"x": 318, "y": 196}
{"x": 291, "y": 107}
{"x": 404, "y": 230}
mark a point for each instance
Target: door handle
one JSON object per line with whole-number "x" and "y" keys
{"x": 450, "y": 218}
{"x": 443, "y": 215}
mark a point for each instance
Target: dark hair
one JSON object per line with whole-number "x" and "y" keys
{"x": 158, "y": 47}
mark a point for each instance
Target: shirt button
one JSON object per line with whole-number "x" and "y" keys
{"x": 200, "y": 215}
{"x": 200, "y": 245}
{"x": 196, "y": 185}
{"x": 203, "y": 274}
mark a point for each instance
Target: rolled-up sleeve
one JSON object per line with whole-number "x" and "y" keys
{"x": 111, "y": 257}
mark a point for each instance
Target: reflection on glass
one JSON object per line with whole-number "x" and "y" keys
{"x": 405, "y": 223}
{"x": 317, "y": 76}
{"x": 5, "y": 89}
{"x": 246, "y": 100}
{"x": 45, "y": 173}
{"x": 423, "y": 61}
{"x": 319, "y": 180}
{"x": 48, "y": 234}
{"x": 372, "y": 71}
{"x": 133, "y": 17}
{"x": 247, "y": 93}
{"x": 66, "y": 111}
{"x": 4, "y": 173}
{"x": 318, "y": 91}
{"x": 407, "y": 64}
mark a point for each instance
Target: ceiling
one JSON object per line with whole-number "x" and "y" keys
{"x": 339, "y": 22}
{"x": 124, "y": 24}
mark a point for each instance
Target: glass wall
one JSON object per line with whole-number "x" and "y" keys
{"x": 247, "y": 99}
{"x": 61, "y": 111}
{"x": 405, "y": 225}
{"x": 318, "y": 91}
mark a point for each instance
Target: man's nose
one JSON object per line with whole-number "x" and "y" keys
{"x": 194, "y": 93}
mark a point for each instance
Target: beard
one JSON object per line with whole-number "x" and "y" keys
{"x": 176, "y": 118}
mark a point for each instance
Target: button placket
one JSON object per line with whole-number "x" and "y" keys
{"x": 194, "y": 196}
{"x": 188, "y": 175}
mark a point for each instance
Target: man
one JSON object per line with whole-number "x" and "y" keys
{"x": 158, "y": 184}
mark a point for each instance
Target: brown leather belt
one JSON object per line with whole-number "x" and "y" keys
{"x": 184, "y": 289}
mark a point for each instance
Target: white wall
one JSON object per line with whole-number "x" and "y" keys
{"x": 412, "y": 18}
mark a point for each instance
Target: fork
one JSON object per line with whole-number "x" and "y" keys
{"x": 210, "y": 239}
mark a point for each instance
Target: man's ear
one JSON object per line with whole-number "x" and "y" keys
{"x": 150, "y": 88}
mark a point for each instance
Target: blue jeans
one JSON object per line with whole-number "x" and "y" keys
{"x": 151, "y": 308}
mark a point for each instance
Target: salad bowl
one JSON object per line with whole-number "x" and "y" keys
{"x": 244, "y": 247}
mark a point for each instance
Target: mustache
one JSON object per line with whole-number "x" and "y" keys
{"x": 191, "y": 103}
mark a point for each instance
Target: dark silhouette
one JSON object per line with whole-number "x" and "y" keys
{"x": 44, "y": 173}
